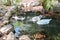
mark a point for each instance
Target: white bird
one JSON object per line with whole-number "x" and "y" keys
{"x": 44, "y": 21}
{"x": 22, "y": 18}
{"x": 36, "y": 18}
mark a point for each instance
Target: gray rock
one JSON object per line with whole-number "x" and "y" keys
{"x": 6, "y": 29}
{"x": 56, "y": 8}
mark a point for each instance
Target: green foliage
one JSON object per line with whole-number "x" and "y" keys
{"x": 8, "y": 3}
{"x": 59, "y": 0}
{"x": 16, "y": 2}
{"x": 3, "y": 1}
{"x": 48, "y": 4}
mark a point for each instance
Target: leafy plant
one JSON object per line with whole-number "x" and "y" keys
{"x": 3, "y": 1}
{"x": 48, "y": 4}
{"x": 16, "y": 1}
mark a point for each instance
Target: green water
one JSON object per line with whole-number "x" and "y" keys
{"x": 52, "y": 29}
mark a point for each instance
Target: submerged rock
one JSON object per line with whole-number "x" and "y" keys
{"x": 17, "y": 31}
{"x": 18, "y": 18}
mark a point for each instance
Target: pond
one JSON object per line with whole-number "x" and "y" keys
{"x": 28, "y": 26}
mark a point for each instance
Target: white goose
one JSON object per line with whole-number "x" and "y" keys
{"x": 44, "y": 21}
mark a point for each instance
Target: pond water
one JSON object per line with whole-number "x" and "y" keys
{"x": 51, "y": 26}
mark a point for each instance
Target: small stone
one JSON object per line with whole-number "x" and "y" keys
{"x": 11, "y": 36}
{"x": 1, "y": 23}
{"x": 24, "y": 37}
